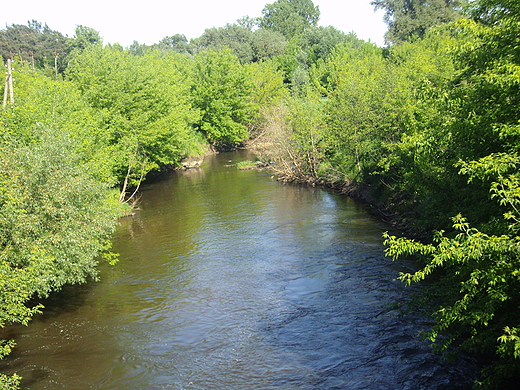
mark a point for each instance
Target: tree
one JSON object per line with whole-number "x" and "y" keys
{"x": 178, "y": 43}
{"x": 358, "y": 111}
{"x": 56, "y": 220}
{"x": 138, "y": 49}
{"x": 231, "y": 36}
{"x": 144, "y": 102}
{"x": 407, "y": 19}
{"x": 84, "y": 37}
{"x": 248, "y": 22}
{"x": 318, "y": 42}
{"x": 475, "y": 302}
{"x": 267, "y": 44}
{"x": 222, "y": 92}
{"x": 290, "y": 17}
{"x": 42, "y": 101}
{"x": 36, "y": 44}
{"x": 267, "y": 81}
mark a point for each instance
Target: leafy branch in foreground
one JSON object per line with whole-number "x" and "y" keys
{"x": 56, "y": 222}
{"x": 480, "y": 275}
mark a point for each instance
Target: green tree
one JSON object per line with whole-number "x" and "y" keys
{"x": 178, "y": 43}
{"x": 288, "y": 61}
{"x": 420, "y": 163}
{"x": 248, "y": 22}
{"x": 84, "y": 37}
{"x": 138, "y": 49}
{"x": 358, "y": 111}
{"x": 56, "y": 219}
{"x": 231, "y": 36}
{"x": 318, "y": 42}
{"x": 267, "y": 82}
{"x": 36, "y": 44}
{"x": 475, "y": 303}
{"x": 290, "y": 17}
{"x": 407, "y": 19}
{"x": 269, "y": 92}
{"x": 222, "y": 92}
{"x": 145, "y": 107}
{"x": 43, "y": 101}
{"x": 267, "y": 44}
{"x": 477, "y": 299}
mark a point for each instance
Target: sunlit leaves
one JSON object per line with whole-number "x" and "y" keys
{"x": 222, "y": 91}
{"x": 56, "y": 220}
{"x": 479, "y": 308}
{"x": 356, "y": 111}
{"x": 144, "y": 103}
{"x": 55, "y": 216}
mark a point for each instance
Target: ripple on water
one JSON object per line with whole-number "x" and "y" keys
{"x": 228, "y": 280}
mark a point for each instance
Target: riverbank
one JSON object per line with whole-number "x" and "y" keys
{"x": 228, "y": 279}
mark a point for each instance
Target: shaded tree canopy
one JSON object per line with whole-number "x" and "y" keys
{"x": 267, "y": 44}
{"x": 407, "y": 19}
{"x": 319, "y": 41}
{"x": 34, "y": 42}
{"x": 177, "y": 42}
{"x": 290, "y": 17}
{"x": 248, "y": 22}
{"x": 231, "y": 36}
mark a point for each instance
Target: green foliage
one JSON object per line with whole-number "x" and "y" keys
{"x": 267, "y": 44}
{"x": 56, "y": 221}
{"x": 358, "y": 86}
{"x": 318, "y": 42}
{"x": 144, "y": 103}
{"x": 231, "y": 36}
{"x": 267, "y": 82}
{"x": 429, "y": 125}
{"x": 9, "y": 382}
{"x": 222, "y": 91}
{"x": 410, "y": 19}
{"x": 178, "y": 43}
{"x": 308, "y": 137}
{"x": 476, "y": 299}
{"x": 288, "y": 61}
{"x": 59, "y": 104}
{"x": 290, "y": 17}
{"x": 84, "y": 37}
{"x": 248, "y": 22}
{"x": 36, "y": 44}
{"x": 245, "y": 165}
{"x": 479, "y": 306}
{"x": 420, "y": 162}
{"x": 55, "y": 218}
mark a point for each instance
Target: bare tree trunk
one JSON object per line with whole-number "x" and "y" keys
{"x": 122, "y": 196}
{"x": 8, "y": 86}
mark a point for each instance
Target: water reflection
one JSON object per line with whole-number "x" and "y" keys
{"x": 229, "y": 280}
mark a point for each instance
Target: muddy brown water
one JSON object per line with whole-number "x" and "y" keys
{"x": 228, "y": 279}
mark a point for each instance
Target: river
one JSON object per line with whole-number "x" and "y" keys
{"x": 228, "y": 279}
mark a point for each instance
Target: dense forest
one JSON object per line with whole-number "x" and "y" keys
{"x": 426, "y": 129}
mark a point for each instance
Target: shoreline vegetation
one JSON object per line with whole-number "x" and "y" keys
{"x": 426, "y": 129}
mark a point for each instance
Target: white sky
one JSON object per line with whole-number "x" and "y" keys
{"x": 149, "y": 21}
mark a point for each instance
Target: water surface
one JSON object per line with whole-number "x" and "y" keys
{"x": 230, "y": 280}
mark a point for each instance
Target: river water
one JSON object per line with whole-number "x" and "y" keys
{"x": 228, "y": 279}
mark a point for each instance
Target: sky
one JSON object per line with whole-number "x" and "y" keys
{"x": 148, "y": 21}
